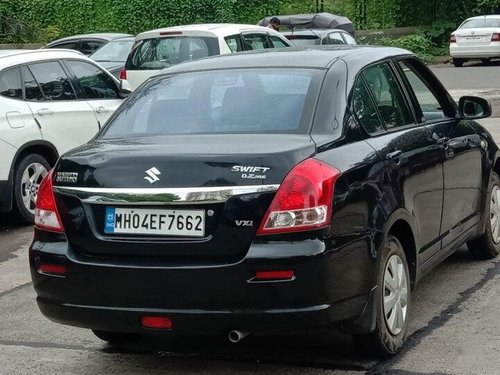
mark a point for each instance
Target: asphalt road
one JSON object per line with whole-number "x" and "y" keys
{"x": 454, "y": 328}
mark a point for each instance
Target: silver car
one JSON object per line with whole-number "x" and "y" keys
{"x": 477, "y": 38}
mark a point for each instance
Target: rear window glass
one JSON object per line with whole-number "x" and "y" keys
{"x": 481, "y": 23}
{"x": 229, "y": 101}
{"x": 159, "y": 53}
{"x": 303, "y": 40}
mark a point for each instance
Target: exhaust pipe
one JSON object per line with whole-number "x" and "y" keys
{"x": 235, "y": 336}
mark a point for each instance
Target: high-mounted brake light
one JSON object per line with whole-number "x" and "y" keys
{"x": 303, "y": 200}
{"x": 170, "y": 33}
{"x": 495, "y": 37}
{"x": 453, "y": 38}
{"x": 46, "y": 215}
{"x": 123, "y": 73}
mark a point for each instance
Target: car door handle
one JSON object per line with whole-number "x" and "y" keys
{"x": 440, "y": 140}
{"x": 102, "y": 109}
{"x": 394, "y": 155}
{"x": 44, "y": 112}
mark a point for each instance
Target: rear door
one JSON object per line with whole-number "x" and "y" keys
{"x": 413, "y": 159}
{"x": 462, "y": 146}
{"x": 96, "y": 87}
{"x": 64, "y": 121}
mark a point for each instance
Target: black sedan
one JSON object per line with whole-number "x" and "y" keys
{"x": 268, "y": 193}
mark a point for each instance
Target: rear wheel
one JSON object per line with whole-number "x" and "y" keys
{"x": 28, "y": 175}
{"x": 392, "y": 302}
{"x": 458, "y": 62}
{"x": 116, "y": 337}
{"x": 488, "y": 245}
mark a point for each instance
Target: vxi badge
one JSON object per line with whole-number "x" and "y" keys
{"x": 251, "y": 172}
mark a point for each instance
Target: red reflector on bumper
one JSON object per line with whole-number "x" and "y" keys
{"x": 156, "y": 322}
{"x": 52, "y": 269}
{"x": 274, "y": 275}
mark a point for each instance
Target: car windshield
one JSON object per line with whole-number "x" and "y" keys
{"x": 116, "y": 50}
{"x": 223, "y": 101}
{"x": 159, "y": 53}
{"x": 480, "y": 23}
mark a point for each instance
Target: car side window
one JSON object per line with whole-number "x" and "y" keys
{"x": 95, "y": 82}
{"x": 89, "y": 46}
{"x": 388, "y": 96}
{"x": 10, "y": 84}
{"x": 364, "y": 108}
{"x": 32, "y": 90}
{"x": 349, "y": 39}
{"x": 429, "y": 104}
{"x": 234, "y": 43}
{"x": 67, "y": 45}
{"x": 334, "y": 38}
{"x": 255, "y": 41}
{"x": 53, "y": 80}
{"x": 277, "y": 42}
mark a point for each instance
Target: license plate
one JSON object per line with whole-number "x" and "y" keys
{"x": 189, "y": 223}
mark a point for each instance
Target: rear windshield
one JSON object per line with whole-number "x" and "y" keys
{"x": 481, "y": 23}
{"x": 159, "y": 53}
{"x": 228, "y": 101}
{"x": 116, "y": 50}
{"x": 303, "y": 40}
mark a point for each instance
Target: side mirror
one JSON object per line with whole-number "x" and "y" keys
{"x": 473, "y": 108}
{"x": 124, "y": 88}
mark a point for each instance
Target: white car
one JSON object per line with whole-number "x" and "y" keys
{"x": 477, "y": 38}
{"x": 50, "y": 102}
{"x": 157, "y": 49}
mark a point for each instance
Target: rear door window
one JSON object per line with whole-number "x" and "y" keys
{"x": 278, "y": 42}
{"x": 389, "y": 99}
{"x": 256, "y": 41}
{"x": 89, "y": 46}
{"x": 334, "y": 38}
{"x": 53, "y": 80}
{"x": 234, "y": 43}
{"x": 159, "y": 53}
{"x": 32, "y": 90}
{"x": 74, "y": 44}
{"x": 95, "y": 83}
{"x": 365, "y": 109}
{"x": 10, "y": 84}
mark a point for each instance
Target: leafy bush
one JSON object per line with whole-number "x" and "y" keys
{"x": 419, "y": 43}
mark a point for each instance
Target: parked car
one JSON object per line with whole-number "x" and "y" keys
{"x": 85, "y": 43}
{"x": 311, "y": 37}
{"x": 477, "y": 38}
{"x": 267, "y": 193}
{"x": 50, "y": 102}
{"x": 113, "y": 54}
{"x": 161, "y": 48}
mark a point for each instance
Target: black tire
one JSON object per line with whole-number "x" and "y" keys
{"x": 116, "y": 337}
{"x": 485, "y": 247}
{"x": 458, "y": 62}
{"x": 24, "y": 195}
{"x": 385, "y": 340}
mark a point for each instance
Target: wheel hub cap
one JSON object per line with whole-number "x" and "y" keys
{"x": 30, "y": 183}
{"x": 395, "y": 295}
{"x": 495, "y": 213}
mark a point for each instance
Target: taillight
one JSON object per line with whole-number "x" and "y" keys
{"x": 453, "y": 38}
{"x": 123, "y": 73}
{"x": 303, "y": 200}
{"x": 495, "y": 37}
{"x": 46, "y": 215}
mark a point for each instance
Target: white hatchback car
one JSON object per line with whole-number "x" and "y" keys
{"x": 50, "y": 102}
{"x": 157, "y": 49}
{"x": 477, "y": 38}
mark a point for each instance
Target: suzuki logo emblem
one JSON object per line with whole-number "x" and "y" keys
{"x": 152, "y": 175}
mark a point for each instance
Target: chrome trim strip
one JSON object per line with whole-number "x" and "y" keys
{"x": 151, "y": 196}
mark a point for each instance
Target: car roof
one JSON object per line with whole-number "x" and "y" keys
{"x": 489, "y": 16}
{"x": 313, "y": 32}
{"x": 220, "y": 29}
{"x": 316, "y": 57}
{"x": 15, "y": 57}
{"x": 103, "y": 36}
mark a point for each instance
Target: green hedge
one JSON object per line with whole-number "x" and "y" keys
{"x": 133, "y": 16}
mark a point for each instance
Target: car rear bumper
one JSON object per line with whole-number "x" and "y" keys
{"x": 475, "y": 52}
{"x": 329, "y": 288}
